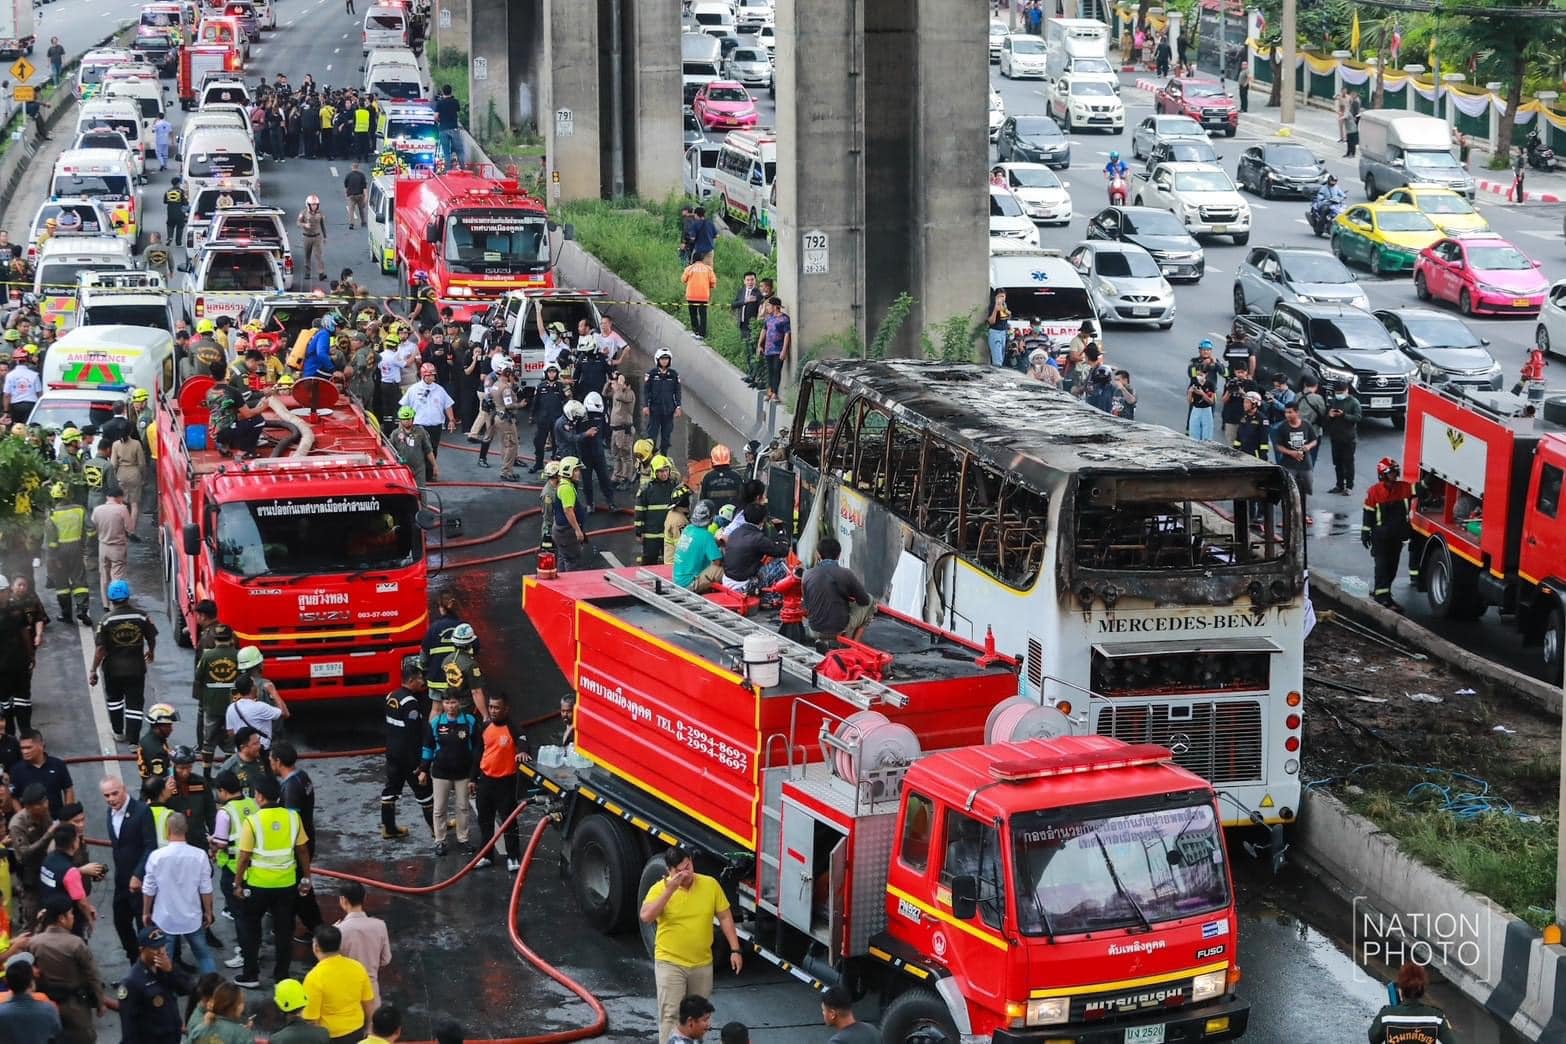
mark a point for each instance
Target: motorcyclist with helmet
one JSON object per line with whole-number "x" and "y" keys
{"x": 1328, "y": 201}
{"x": 1116, "y": 173}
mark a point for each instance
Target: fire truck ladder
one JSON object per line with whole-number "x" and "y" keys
{"x": 727, "y": 626}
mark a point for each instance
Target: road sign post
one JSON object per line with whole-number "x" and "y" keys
{"x": 814, "y": 253}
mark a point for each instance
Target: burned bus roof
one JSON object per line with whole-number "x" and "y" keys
{"x": 1019, "y": 424}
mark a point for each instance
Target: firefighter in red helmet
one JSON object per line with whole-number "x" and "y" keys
{"x": 1385, "y": 528}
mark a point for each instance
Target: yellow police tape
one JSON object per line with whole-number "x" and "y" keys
{"x": 320, "y": 296}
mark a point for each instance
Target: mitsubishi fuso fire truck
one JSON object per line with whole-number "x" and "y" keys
{"x": 891, "y": 817}
{"x": 1486, "y": 519}
{"x": 473, "y": 233}
{"x": 312, "y": 549}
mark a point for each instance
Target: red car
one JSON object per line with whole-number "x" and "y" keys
{"x": 724, "y": 105}
{"x": 1482, "y": 273}
{"x": 1202, "y": 100}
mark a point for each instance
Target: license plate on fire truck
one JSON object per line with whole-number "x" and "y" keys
{"x": 335, "y": 670}
{"x": 1145, "y": 1034}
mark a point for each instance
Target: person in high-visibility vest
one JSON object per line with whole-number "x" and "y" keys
{"x": 273, "y": 867}
{"x": 65, "y": 538}
{"x": 233, "y": 808}
{"x": 154, "y": 792}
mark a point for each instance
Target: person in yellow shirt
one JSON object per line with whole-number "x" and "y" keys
{"x": 341, "y": 997}
{"x": 683, "y": 905}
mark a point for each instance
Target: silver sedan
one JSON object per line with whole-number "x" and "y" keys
{"x": 1125, "y": 283}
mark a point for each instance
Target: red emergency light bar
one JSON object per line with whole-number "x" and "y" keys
{"x": 1025, "y": 769}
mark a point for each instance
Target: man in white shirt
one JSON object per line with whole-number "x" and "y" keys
{"x": 21, "y": 389}
{"x": 364, "y": 937}
{"x": 248, "y": 710}
{"x": 388, "y": 385}
{"x": 176, "y": 893}
{"x": 432, "y": 406}
{"x": 610, "y": 341}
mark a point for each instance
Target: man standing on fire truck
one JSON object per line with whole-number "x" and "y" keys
{"x": 1385, "y": 529}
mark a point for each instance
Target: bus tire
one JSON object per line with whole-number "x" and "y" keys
{"x": 1450, "y": 586}
{"x": 603, "y": 870}
{"x": 913, "y": 1015}
{"x": 652, "y": 873}
{"x": 1554, "y": 648}
{"x": 170, "y": 573}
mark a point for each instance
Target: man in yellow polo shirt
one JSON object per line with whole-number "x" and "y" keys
{"x": 683, "y": 906}
{"x": 339, "y": 991}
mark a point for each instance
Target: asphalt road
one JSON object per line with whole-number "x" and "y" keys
{"x": 451, "y": 957}
{"x": 1157, "y": 359}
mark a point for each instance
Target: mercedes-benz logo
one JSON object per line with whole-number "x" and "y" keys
{"x": 1179, "y": 744}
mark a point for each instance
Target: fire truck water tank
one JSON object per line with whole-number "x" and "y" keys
{"x": 873, "y": 743}
{"x": 763, "y": 660}
{"x": 1018, "y": 719}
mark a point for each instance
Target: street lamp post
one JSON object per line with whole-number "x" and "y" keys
{"x": 1290, "y": 52}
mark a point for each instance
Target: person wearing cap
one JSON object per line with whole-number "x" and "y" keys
{"x": 153, "y": 754}
{"x": 698, "y": 561}
{"x": 405, "y": 729}
{"x": 1251, "y": 434}
{"x": 223, "y": 844}
{"x": 504, "y": 402}
{"x": 126, "y": 641}
{"x": 1201, "y": 393}
{"x": 652, "y": 507}
{"x": 661, "y": 400}
{"x": 65, "y": 543}
{"x": 177, "y": 893}
{"x": 547, "y": 407}
{"x": 290, "y": 998}
{"x": 460, "y": 670}
{"x": 1341, "y": 426}
{"x": 411, "y": 443}
{"x": 191, "y": 797}
{"x": 217, "y": 668}
{"x": 569, "y": 515}
{"x": 432, "y": 407}
{"x": 23, "y": 1015}
{"x": 272, "y": 870}
{"x": 21, "y": 388}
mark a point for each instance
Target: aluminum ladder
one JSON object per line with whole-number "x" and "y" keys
{"x": 725, "y": 625}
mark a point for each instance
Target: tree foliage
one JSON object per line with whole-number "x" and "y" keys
{"x": 24, "y": 479}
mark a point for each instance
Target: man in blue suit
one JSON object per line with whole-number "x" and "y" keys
{"x": 133, "y": 837}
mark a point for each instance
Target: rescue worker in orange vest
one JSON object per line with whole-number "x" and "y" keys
{"x": 1385, "y": 529}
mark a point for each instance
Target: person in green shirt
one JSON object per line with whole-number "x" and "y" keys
{"x": 698, "y": 561}
{"x": 569, "y": 512}
{"x": 224, "y": 1022}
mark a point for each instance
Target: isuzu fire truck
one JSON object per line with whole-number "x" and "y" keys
{"x": 896, "y": 820}
{"x": 474, "y": 233}
{"x": 312, "y": 550}
{"x": 1487, "y": 522}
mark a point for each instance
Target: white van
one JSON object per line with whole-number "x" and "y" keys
{"x": 742, "y": 179}
{"x": 394, "y": 73}
{"x": 124, "y": 299}
{"x": 228, "y": 117}
{"x": 117, "y": 355}
{"x": 92, "y": 215}
{"x": 385, "y": 25}
{"x": 1045, "y": 294}
{"x": 94, "y": 64}
{"x": 714, "y": 17}
{"x": 145, "y": 93}
{"x": 383, "y": 222}
{"x": 106, "y": 176}
{"x": 115, "y": 114}
{"x": 62, "y": 259}
{"x": 217, "y": 156}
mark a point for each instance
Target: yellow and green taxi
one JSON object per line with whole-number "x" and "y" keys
{"x": 1449, "y": 210}
{"x": 1387, "y": 237}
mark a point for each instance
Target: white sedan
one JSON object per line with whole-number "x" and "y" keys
{"x": 1550, "y": 333}
{"x": 1045, "y": 199}
{"x": 1009, "y": 223}
{"x": 1125, "y": 283}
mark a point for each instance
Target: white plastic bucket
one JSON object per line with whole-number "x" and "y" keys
{"x": 763, "y": 660}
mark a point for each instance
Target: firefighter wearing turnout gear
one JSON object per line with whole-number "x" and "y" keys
{"x": 217, "y": 668}
{"x": 1411, "y": 1020}
{"x": 1385, "y": 529}
{"x": 127, "y": 641}
{"x": 460, "y": 670}
{"x": 652, "y": 507}
{"x": 65, "y": 541}
{"x": 405, "y": 729}
{"x": 154, "y": 757}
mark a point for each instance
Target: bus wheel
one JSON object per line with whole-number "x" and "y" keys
{"x": 1450, "y": 587}
{"x": 652, "y": 873}
{"x": 918, "y": 1017}
{"x": 170, "y": 586}
{"x": 1554, "y": 643}
{"x": 603, "y": 871}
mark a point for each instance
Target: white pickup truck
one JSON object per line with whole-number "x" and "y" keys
{"x": 1201, "y": 195}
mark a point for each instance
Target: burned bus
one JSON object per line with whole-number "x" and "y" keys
{"x": 1152, "y": 586}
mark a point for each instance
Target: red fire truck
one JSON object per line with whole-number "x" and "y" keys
{"x": 474, "y": 233}
{"x": 916, "y": 830}
{"x": 312, "y": 551}
{"x": 196, "y": 60}
{"x": 1487, "y": 524}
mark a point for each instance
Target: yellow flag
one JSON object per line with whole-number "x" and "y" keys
{"x": 1354, "y": 35}
{"x": 1430, "y": 57}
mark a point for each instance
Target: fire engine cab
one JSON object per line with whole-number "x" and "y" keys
{"x": 475, "y": 234}
{"x": 1487, "y": 520}
{"x": 197, "y": 60}
{"x": 890, "y": 817}
{"x": 312, "y": 549}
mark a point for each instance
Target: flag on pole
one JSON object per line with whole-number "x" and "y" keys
{"x": 1354, "y": 35}
{"x": 1430, "y": 55}
{"x": 1397, "y": 41}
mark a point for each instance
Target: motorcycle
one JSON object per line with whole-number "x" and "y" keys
{"x": 1540, "y": 155}
{"x": 1322, "y": 217}
{"x": 1117, "y": 190}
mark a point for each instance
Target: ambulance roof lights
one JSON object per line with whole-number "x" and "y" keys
{"x": 1023, "y": 770}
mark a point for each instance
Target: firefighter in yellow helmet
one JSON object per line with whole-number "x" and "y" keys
{"x": 65, "y": 543}
{"x": 652, "y": 507}
{"x": 643, "y": 450}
